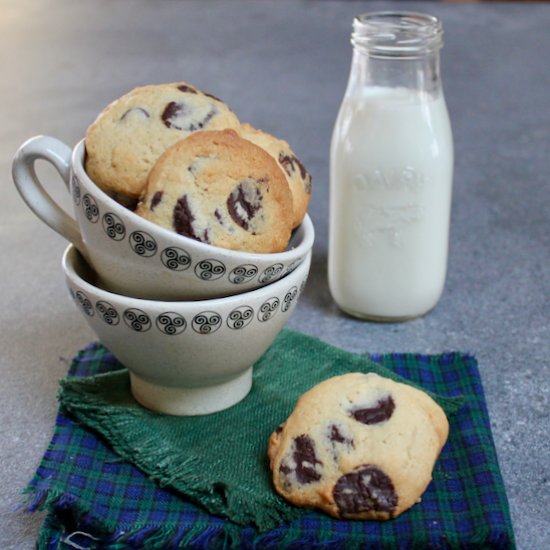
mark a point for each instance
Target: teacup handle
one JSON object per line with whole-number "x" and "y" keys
{"x": 38, "y": 200}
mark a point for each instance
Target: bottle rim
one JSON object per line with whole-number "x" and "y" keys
{"x": 398, "y": 34}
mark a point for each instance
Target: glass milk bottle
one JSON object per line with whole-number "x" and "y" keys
{"x": 391, "y": 166}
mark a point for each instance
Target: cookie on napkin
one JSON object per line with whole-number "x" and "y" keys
{"x": 358, "y": 446}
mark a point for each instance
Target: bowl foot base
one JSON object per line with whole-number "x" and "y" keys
{"x": 191, "y": 401}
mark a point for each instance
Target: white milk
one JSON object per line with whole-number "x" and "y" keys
{"x": 390, "y": 182}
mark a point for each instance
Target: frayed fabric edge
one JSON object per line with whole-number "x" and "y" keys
{"x": 101, "y": 534}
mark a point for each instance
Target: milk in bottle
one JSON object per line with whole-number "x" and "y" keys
{"x": 391, "y": 170}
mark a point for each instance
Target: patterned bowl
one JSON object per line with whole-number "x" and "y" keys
{"x": 134, "y": 256}
{"x": 186, "y": 358}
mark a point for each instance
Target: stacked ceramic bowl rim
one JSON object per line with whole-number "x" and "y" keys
{"x": 187, "y": 319}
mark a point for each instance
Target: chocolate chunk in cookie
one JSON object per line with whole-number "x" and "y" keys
{"x": 336, "y": 435}
{"x": 157, "y": 197}
{"x": 138, "y": 112}
{"x": 380, "y": 412}
{"x": 305, "y": 463}
{"x": 244, "y": 202}
{"x": 183, "y": 219}
{"x": 364, "y": 489}
{"x": 182, "y": 116}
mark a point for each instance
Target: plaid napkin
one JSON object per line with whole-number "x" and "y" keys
{"x": 99, "y": 498}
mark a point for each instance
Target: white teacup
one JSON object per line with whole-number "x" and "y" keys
{"x": 186, "y": 358}
{"x": 133, "y": 256}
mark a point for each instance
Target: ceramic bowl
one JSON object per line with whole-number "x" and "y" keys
{"x": 134, "y": 256}
{"x": 186, "y": 358}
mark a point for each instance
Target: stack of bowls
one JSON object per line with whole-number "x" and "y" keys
{"x": 187, "y": 319}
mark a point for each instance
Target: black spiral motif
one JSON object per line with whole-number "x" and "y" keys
{"x": 137, "y": 319}
{"x": 209, "y": 270}
{"x": 206, "y": 322}
{"x": 84, "y": 302}
{"x": 175, "y": 258}
{"x": 75, "y": 184}
{"x": 240, "y": 317}
{"x": 269, "y": 273}
{"x": 113, "y": 226}
{"x": 290, "y": 296}
{"x": 171, "y": 323}
{"x": 107, "y": 312}
{"x": 143, "y": 244}
{"x": 242, "y": 274}
{"x": 91, "y": 211}
{"x": 268, "y": 309}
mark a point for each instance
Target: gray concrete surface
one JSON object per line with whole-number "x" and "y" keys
{"x": 283, "y": 65}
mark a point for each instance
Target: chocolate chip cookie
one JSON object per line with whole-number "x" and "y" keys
{"x": 299, "y": 179}
{"x": 221, "y": 189}
{"x": 358, "y": 446}
{"x": 130, "y": 134}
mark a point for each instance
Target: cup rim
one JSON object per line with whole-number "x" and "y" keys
{"x": 304, "y": 244}
{"x": 71, "y": 255}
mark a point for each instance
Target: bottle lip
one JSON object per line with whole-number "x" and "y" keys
{"x": 399, "y": 34}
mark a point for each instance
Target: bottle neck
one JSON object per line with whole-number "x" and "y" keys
{"x": 421, "y": 73}
{"x": 396, "y": 49}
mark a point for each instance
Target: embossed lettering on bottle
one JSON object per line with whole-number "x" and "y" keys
{"x": 386, "y": 218}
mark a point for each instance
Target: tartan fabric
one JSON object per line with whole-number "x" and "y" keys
{"x": 97, "y": 500}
